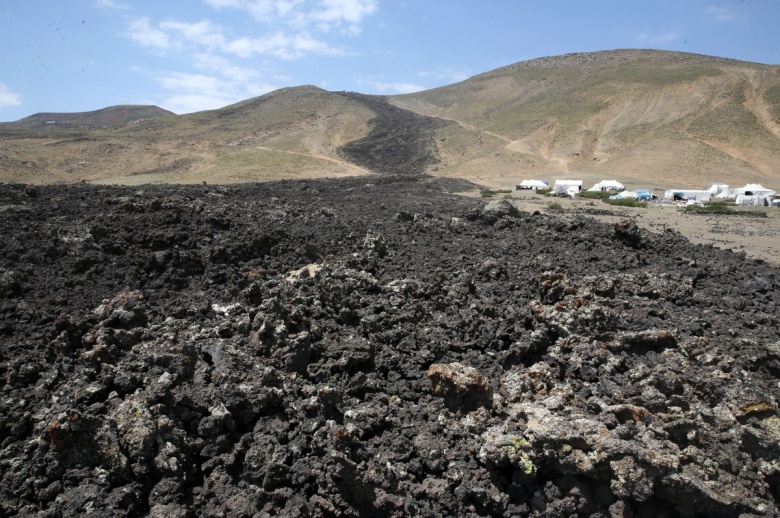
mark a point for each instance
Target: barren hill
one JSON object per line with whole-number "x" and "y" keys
{"x": 111, "y": 116}
{"x": 639, "y": 116}
{"x": 664, "y": 117}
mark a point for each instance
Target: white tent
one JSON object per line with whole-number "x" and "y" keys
{"x": 607, "y": 185}
{"x": 717, "y": 188}
{"x": 688, "y": 194}
{"x": 533, "y": 184}
{"x": 754, "y": 201}
{"x": 727, "y": 194}
{"x": 625, "y": 195}
{"x": 568, "y": 187}
{"x": 755, "y": 189}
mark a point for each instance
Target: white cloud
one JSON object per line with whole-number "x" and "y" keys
{"x": 203, "y": 33}
{"x": 391, "y": 88}
{"x": 192, "y": 82}
{"x": 142, "y": 32}
{"x": 9, "y": 98}
{"x": 720, "y": 13}
{"x": 197, "y": 92}
{"x": 657, "y": 38}
{"x": 324, "y": 15}
{"x": 447, "y": 75}
{"x": 190, "y": 103}
{"x": 337, "y": 13}
{"x": 224, "y": 67}
{"x": 280, "y": 45}
{"x": 223, "y": 62}
{"x": 206, "y": 34}
{"x": 112, "y": 4}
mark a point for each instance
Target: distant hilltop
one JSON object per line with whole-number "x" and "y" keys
{"x": 104, "y": 118}
{"x": 655, "y": 119}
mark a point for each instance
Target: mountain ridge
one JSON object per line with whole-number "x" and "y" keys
{"x": 632, "y": 114}
{"x": 104, "y": 117}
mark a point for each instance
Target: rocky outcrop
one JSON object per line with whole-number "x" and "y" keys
{"x": 300, "y": 349}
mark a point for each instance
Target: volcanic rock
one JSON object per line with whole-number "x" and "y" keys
{"x": 269, "y": 350}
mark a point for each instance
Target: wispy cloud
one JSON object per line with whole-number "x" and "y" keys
{"x": 324, "y": 15}
{"x": 9, "y": 98}
{"x": 221, "y": 61}
{"x": 197, "y": 92}
{"x": 447, "y": 75}
{"x": 667, "y": 37}
{"x": 170, "y": 35}
{"x": 113, "y": 4}
{"x": 720, "y": 13}
{"x": 142, "y": 32}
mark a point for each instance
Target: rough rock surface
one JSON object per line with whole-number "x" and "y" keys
{"x": 337, "y": 348}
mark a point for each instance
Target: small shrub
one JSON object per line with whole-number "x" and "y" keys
{"x": 627, "y": 203}
{"x": 486, "y": 193}
{"x": 555, "y": 206}
{"x": 711, "y": 207}
{"x": 719, "y": 203}
{"x": 597, "y": 195}
{"x": 543, "y": 192}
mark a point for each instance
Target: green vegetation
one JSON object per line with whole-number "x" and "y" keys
{"x": 710, "y": 207}
{"x": 720, "y": 203}
{"x": 489, "y": 193}
{"x": 555, "y": 206}
{"x": 543, "y": 192}
{"x": 627, "y": 203}
{"x": 596, "y": 195}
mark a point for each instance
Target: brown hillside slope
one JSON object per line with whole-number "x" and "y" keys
{"x": 290, "y": 133}
{"x": 654, "y": 117}
{"x": 111, "y": 116}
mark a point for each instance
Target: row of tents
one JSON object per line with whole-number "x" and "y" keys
{"x": 751, "y": 194}
{"x": 570, "y": 187}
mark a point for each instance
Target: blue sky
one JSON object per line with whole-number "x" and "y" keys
{"x": 192, "y": 55}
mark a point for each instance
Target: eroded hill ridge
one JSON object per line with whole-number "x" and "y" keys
{"x": 639, "y": 116}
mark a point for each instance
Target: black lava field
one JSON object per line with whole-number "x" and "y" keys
{"x": 376, "y": 346}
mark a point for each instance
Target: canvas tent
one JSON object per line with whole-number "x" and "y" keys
{"x": 645, "y": 195}
{"x": 607, "y": 185}
{"x": 687, "y": 194}
{"x": 717, "y": 188}
{"x": 755, "y": 189}
{"x": 625, "y": 195}
{"x": 533, "y": 184}
{"x": 567, "y": 187}
{"x": 754, "y": 201}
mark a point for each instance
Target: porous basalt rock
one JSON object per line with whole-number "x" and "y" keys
{"x": 324, "y": 348}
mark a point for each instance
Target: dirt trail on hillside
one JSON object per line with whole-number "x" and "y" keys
{"x": 318, "y": 157}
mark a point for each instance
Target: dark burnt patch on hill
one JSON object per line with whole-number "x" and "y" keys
{"x": 400, "y": 142}
{"x": 339, "y": 348}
